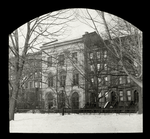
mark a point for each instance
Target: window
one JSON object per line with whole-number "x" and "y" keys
{"x": 129, "y": 95}
{"x": 99, "y": 80}
{"x": 105, "y": 54}
{"x": 105, "y": 80}
{"x": 91, "y": 55}
{"x": 121, "y": 95}
{"x": 128, "y": 79}
{"x": 98, "y": 55}
{"x": 62, "y": 80}
{"x": 61, "y": 60}
{"x": 74, "y": 57}
{"x": 98, "y": 67}
{"x": 40, "y": 74}
{"x": 135, "y": 64}
{"x": 105, "y": 66}
{"x": 114, "y": 80}
{"x": 40, "y": 85}
{"x": 50, "y": 81}
{"x": 92, "y": 81}
{"x": 36, "y": 75}
{"x": 36, "y": 85}
{"x": 120, "y": 80}
{"x": 92, "y": 67}
{"x": 49, "y": 60}
{"x": 76, "y": 79}
{"x": 61, "y": 100}
{"x": 11, "y": 77}
{"x": 26, "y": 84}
{"x": 99, "y": 96}
{"x": 30, "y": 83}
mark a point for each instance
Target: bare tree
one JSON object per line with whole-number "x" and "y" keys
{"x": 30, "y": 35}
{"x": 124, "y": 42}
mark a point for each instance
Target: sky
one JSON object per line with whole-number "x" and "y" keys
{"x": 75, "y": 29}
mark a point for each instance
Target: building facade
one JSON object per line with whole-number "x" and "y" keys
{"x": 83, "y": 73}
{"x": 63, "y": 71}
{"x": 77, "y": 73}
{"x": 30, "y": 94}
{"x": 107, "y": 85}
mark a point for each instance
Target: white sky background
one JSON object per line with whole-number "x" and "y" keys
{"x": 74, "y": 30}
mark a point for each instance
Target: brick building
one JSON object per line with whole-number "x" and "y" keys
{"x": 82, "y": 72}
{"x": 107, "y": 84}
{"x": 30, "y": 84}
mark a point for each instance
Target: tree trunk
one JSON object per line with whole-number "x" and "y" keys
{"x": 140, "y": 104}
{"x": 11, "y": 108}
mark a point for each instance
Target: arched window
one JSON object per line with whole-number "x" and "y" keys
{"x": 50, "y": 100}
{"x": 61, "y": 100}
{"x": 75, "y": 100}
{"x": 62, "y": 78}
{"x": 50, "y": 80}
{"x": 92, "y": 98}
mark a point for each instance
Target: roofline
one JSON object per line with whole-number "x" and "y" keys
{"x": 57, "y": 44}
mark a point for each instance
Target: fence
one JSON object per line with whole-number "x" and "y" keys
{"x": 80, "y": 111}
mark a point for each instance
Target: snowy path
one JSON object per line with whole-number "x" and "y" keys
{"x": 74, "y": 123}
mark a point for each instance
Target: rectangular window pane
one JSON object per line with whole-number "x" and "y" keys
{"x": 105, "y": 54}
{"x": 120, "y": 80}
{"x": 98, "y": 67}
{"x": 74, "y": 57}
{"x": 49, "y": 60}
{"x": 61, "y": 60}
{"x": 91, "y": 55}
{"x": 121, "y": 93}
{"x": 128, "y": 79}
{"x": 50, "y": 82}
{"x": 128, "y": 93}
{"x": 98, "y": 55}
{"x": 92, "y": 67}
{"x": 36, "y": 84}
{"x": 129, "y": 98}
{"x": 105, "y": 66}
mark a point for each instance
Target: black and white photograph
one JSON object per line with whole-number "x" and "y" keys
{"x": 76, "y": 70}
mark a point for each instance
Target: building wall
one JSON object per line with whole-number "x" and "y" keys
{"x": 68, "y": 68}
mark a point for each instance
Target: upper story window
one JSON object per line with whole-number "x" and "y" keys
{"x": 36, "y": 74}
{"x": 50, "y": 81}
{"x": 49, "y": 61}
{"x": 99, "y": 80}
{"x": 75, "y": 79}
{"x": 105, "y": 80}
{"x": 105, "y": 54}
{"x": 121, "y": 95}
{"x": 98, "y": 55}
{"x": 92, "y": 68}
{"x": 92, "y": 80}
{"x": 74, "y": 57}
{"x": 36, "y": 85}
{"x": 91, "y": 55}
{"x": 62, "y": 80}
{"x": 120, "y": 80}
{"x": 98, "y": 66}
{"x": 105, "y": 66}
{"x": 114, "y": 80}
{"x": 31, "y": 84}
{"x": 128, "y": 79}
{"x": 61, "y": 60}
{"x": 40, "y": 84}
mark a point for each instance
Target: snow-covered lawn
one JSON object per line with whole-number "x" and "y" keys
{"x": 76, "y": 123}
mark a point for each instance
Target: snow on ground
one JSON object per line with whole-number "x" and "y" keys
{"x": 76, "y": 123}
